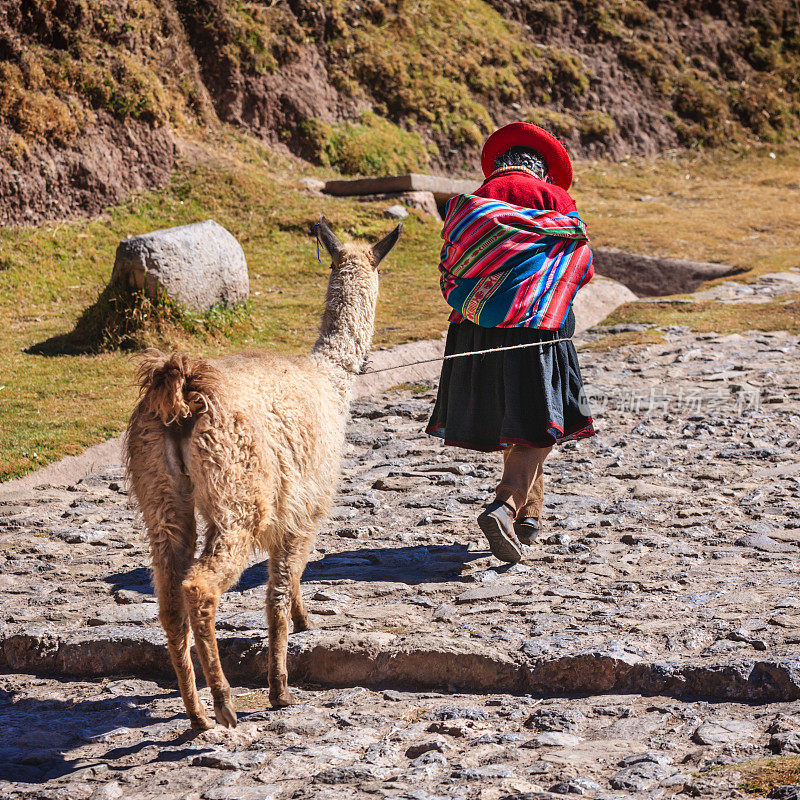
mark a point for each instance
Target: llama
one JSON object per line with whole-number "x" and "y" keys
{"x": 253, "y": 443}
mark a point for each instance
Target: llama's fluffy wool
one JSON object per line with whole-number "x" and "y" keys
{"x": 253, "y": 443}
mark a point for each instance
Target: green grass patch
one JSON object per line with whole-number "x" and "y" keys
{"x": 371, "y": 146}
{"x": 414, "y": 388}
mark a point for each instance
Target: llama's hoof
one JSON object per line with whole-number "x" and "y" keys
{"x": 201, "y": 723}
{"x": 285, "y": 698}
{"x": 225, "y": 714}
{"x": 300, "y": 625}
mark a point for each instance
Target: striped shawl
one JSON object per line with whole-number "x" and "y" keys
{"x": 504, "y": 266}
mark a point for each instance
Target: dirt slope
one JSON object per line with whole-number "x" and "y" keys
{"x": 93, "y": 91}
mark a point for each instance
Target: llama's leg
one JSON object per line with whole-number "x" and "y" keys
{"x": 217, "y": 568}
{"x": 297, "y": 563}
{"x": 279, "y": 594}
{"x": 169, "y": 569}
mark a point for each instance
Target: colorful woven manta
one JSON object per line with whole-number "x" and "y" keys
{"x": 504, "y": 266}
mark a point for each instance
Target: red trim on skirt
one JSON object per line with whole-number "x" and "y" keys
{"x": 578, "y": 432}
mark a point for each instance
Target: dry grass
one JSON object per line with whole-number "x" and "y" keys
{"x": 708, "y": 316}
{"x": 739, "y": 208}
{"x": 761, "y": 775}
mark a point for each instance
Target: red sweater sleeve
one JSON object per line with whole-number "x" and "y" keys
{"x": 522, "y": 189}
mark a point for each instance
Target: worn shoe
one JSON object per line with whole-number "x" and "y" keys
{"x": 497, "y": 524}
{"x": 527, "y": 530}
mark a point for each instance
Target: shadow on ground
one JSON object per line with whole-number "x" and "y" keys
{"x": 40, "y": 733}
{"x": 409, "y": 565}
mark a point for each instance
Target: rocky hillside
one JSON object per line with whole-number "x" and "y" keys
{"x": 95, "y": 93}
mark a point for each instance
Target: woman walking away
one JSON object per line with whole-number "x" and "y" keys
{"x": 515, "y": 254}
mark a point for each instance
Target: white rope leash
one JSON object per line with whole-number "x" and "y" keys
{"x": 471, "y": 353}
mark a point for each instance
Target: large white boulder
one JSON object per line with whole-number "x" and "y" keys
{"x": 198, "y": 265}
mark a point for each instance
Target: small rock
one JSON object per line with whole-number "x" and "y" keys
{"x": 645, "y": 491}
{"x": 232, "y": 761}
{"x": 457, "y": 712}
{"x": 326, "y": 611}
{"x": 126, "y": 597}
{"x": 497, "y": 738}
{"x": 485, "y": 593}
{"x": 429, "y": 758}
{"x": 324, "y": 596}
{"x": 352, "y": 774}
{"x": 787, "y": 792}
{"x": 438, "y": 744}
{"x": 766, "y": 544}
{"x": 787, "y": 742}
{"x": 554, "y": 739}
{"x": 648, "y": 756}
{"x": 126, "y": 615}
{"x": 483, "y": 773}
{"x": 639, "y": 777}
{"x": 784, "y": 723}
{"x": 424, "y": 201}
{"x": 239, "y": 792}
{"x": 576, "y": 786}
{"x": 456, "y": 728}
{"x": 724, "y": 732}
{"x": 312, "y": 184}
{"x": 395, "y": 484}
{"x": 395, "y": 212}
{"x": 444, "y": 612}
{"x": 85, "y": 537}
{"x": 108, "y": 791}
{"x": 352, "y": 533}
{"x": 547, "y": 719}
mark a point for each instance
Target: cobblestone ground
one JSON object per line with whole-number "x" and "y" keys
{"x": 667, "y": 567}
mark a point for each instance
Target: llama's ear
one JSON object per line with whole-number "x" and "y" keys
{"x": 332, "y": 244}
{"x": 382, "y": 248}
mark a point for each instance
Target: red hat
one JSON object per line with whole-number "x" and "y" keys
{"x": 525, "y": 134}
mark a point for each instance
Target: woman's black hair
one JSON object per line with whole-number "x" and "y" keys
{"x": 519, "y": 156}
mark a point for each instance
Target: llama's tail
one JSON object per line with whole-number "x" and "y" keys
{"x": 176, "y": 387}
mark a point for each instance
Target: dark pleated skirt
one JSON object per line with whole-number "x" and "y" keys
{"x": 531, "y": 396}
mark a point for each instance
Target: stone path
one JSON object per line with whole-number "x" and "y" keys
{"x": 650, "y": 635}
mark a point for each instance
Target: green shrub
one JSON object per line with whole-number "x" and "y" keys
{"x": 695, "y": 100}
{"x": 566, "y": 74}
{"x": 543, "y": 13}
{"x": 639, "y": 55}
{"x": 559, "y": 124}
{"x": 763, "y": 109}
{"x": 121, "y": 319}
{"x": 371, "y": 146}
{"x": 596, "y": 126}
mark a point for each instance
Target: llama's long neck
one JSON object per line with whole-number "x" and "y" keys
{"x": 348, "y": 322}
